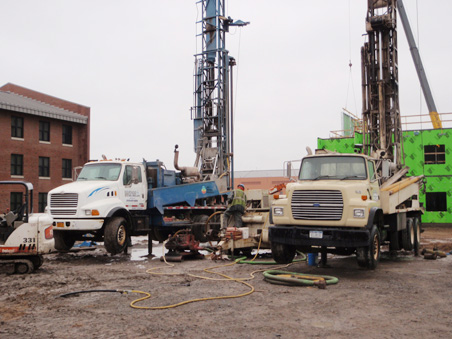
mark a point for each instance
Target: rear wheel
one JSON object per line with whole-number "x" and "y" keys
{"x": 282, "y": 253}
{"x": 417, "y": 235}
{"x": 408, "y": 235}
{"x": 115, "y": 235}
{"x": 63, "y": 240}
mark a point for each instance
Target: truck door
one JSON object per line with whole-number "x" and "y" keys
{"x": 134, "y": 188}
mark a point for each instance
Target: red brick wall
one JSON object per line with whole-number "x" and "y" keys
{"x": 67, "y": 105}
{"x": 32, "y": 148}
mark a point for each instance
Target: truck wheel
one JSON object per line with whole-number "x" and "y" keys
{"x": 282, "y": 253}
{"x": 408, "y": 235}
{"x": 115, "y": 235}
{"x": 63, "y": 240}
{"x": 369, "y": 256}
{"x": 417, "y": 235}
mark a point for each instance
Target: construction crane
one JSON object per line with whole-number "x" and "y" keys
{"x": 212, "y": 113}
{"x": 434, "y": 117}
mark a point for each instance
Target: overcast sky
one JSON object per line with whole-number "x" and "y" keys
{"x": 132, "y": 63}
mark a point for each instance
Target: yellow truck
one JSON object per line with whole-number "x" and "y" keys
{"x": 339, "y": 204}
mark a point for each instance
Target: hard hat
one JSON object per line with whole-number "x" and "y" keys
{"x": 242, "y": 186}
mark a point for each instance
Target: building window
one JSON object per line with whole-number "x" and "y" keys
{"x": 42, "y": 202}
{"x": 16, "y": 200}
{"x": 67, "y": 168}
{"x": 17, "y": 164}
{"x": 436, "y": 201}
{"x": 44, "y": 167}
{"x": 434, "y": 154}
{"x": 67, "y": 134}
{"x": 44, "y": 131}
{"x": 17, "y": 127}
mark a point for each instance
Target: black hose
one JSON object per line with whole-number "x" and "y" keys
{"x": 88, "y": 291}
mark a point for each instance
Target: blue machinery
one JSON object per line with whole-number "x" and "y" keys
{"x": 182, "y": 199}
{"x": 212, "y": 110}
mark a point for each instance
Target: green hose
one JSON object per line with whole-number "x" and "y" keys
{"x": 298, "y": 279}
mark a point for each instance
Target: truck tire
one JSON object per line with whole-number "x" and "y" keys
{"x": 63, "y": 240}
{"x": 369, "y": 256}
{"x": 408, "y": 235}
{"x": 282, "y": 253}
{"x": 417, "y": 235}
{"x": 115, "y": 235}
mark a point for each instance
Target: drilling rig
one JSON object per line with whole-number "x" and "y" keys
{"x": 354, "y": 203}
{"x": 212, "y": 110}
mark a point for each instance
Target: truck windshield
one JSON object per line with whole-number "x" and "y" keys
{"x": 100, "y": 172}
{"x": 332, "y": 167}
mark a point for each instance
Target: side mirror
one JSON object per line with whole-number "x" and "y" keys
{"x": 289, "y": 169}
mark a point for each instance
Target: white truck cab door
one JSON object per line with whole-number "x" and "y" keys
{"x": 133, "y": 188}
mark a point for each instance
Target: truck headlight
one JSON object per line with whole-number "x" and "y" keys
{"x": 278, "y": 211}
{"x": 358, "y": 213}
{"x": 91, "y": 212}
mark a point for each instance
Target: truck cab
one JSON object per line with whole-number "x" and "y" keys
{"x": 101, "y": 201}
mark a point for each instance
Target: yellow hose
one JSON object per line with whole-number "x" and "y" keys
{"x": 225, "y": 278}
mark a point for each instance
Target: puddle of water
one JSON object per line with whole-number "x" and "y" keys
{"x": 141, "y": 253}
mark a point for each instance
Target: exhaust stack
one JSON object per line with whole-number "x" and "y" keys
{"x": 187, "y": 172}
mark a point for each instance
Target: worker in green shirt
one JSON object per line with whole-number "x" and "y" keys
{"x": 236, "y": 206}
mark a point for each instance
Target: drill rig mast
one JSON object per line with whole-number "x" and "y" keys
{"x": 211, "y": 112}
{"x": 382, "y": 130}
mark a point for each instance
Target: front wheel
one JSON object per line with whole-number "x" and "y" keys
{"x": 282, "y": 253}
{"x": 63, "y": 240}
{"x": 369, "y": 256}
{"x": 115, "y": 235}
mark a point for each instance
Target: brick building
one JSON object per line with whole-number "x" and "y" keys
{"x": 260, "y": 179}
{"x": 42, "y": 140}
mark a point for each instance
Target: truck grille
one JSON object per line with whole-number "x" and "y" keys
{"x": 63, "y": 203}
{"x": 317, "y": 205}
{"x": 63, "y": 212}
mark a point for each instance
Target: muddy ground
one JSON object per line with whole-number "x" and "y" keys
{"x": 405, "y": 296}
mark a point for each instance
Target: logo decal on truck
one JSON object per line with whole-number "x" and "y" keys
{"x": 97, "y": 190}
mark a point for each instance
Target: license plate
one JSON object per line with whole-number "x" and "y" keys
{"x": 60, "y": 224}
{"x": 316, "y": 234}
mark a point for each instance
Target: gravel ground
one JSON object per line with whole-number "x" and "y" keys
{"x": 405, "y": 296}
